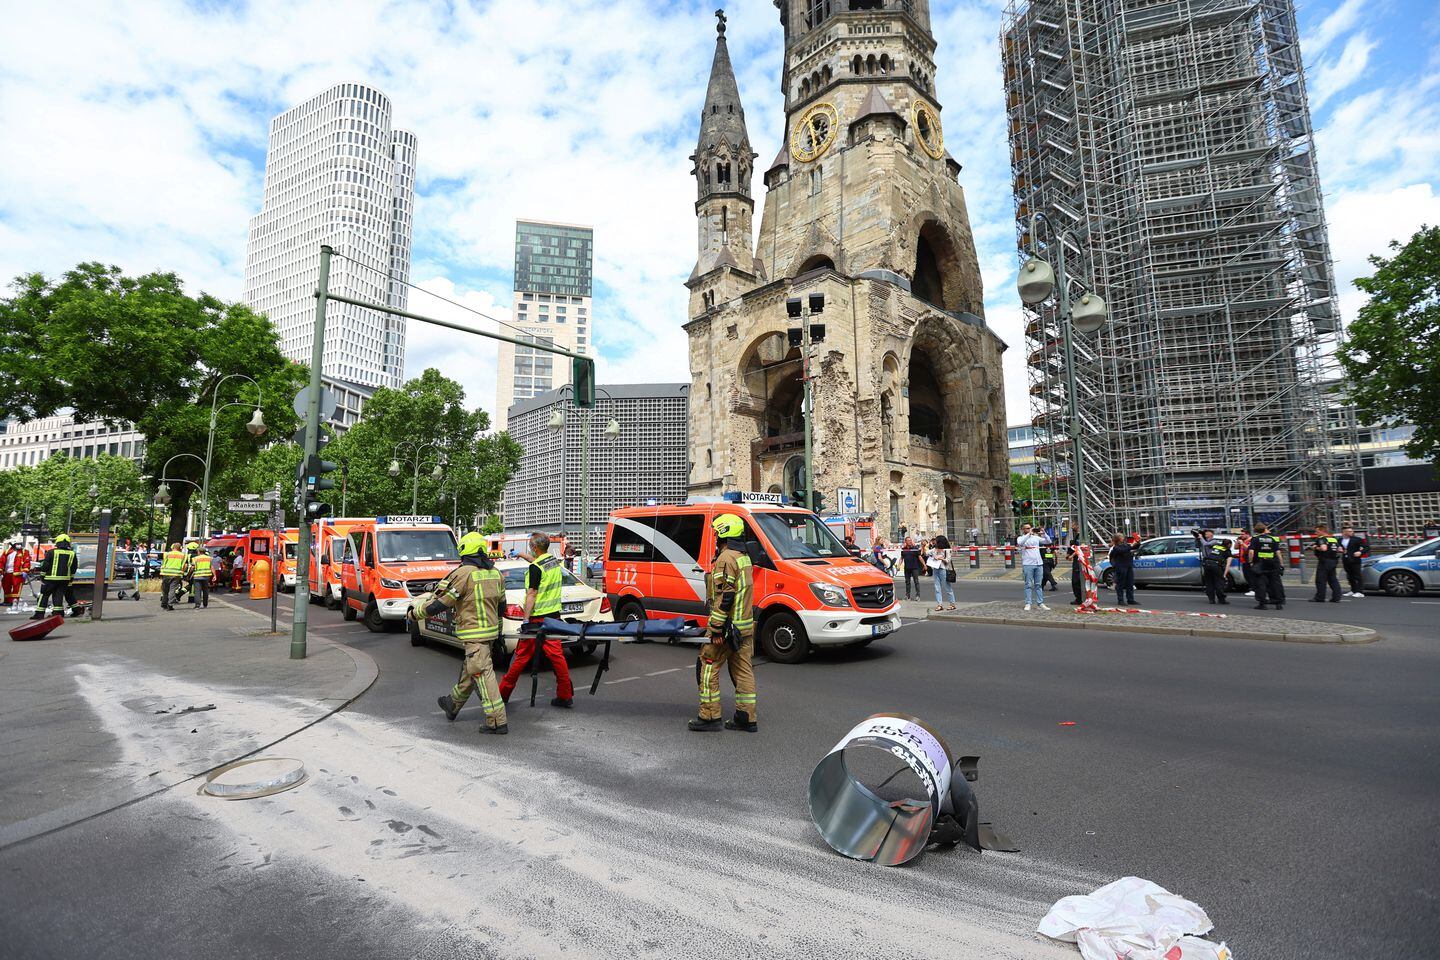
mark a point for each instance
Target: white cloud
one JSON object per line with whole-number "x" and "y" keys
{"x": 1340, "y": 21}
{"x": 1333, "y": 76}
{"x": 1363, "y": 223}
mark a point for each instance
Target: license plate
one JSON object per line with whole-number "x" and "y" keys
{"x": 572, "y": 607}
{"x": 880, "y": 629}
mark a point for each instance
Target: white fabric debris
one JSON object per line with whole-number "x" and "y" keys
{"x": 1133, "y": 919}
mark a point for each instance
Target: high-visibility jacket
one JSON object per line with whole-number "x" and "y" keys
{"x": 547, "y": 596}
{"x": 1266, "y": 550}
{"x": 732, "y": 573}
{"x": 60, "y": 565}
{"x": 202, "y": 565}
{"x": 174, "y": 564}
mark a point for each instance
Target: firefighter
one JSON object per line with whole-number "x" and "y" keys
{"x": 14, "y": 564}
{"x": 187, "y": 573}
{"x": 729, "y": 587}
{"x": 1214, "y": 565}
{"x": 171, "y": 569}
{"x": 202, "y": 566}
{"x": 475, "y": 590}
{"x": 1266, "y": 563}
{"x": 57, "y": 572}
{"x": 544, "y": 581}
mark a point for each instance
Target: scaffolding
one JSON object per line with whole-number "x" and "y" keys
{"x": 1171, "y": 143}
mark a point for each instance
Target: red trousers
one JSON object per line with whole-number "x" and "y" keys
{"x": 13, "y": 583}
{"x": 524, "y": 650}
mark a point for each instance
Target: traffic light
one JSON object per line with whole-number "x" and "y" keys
{"x": 1027, "y": 506}
{"x": 582, "y": 371}
{"x": 313, "y": 480}
{"x": 1015, "y": 507}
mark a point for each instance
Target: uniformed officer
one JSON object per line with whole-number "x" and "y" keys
{"x": 202, "y": 565}
{"x": 475, "y": 591}
{"x": 1214, "y": 565}
{"x": 1266, "y": 562}
{"x": 1327, "y": 561}
{"x": 57, "y": 576}
{"x": 172, "y": 568}
{"x": 1047, "y": 559}
{"x": 730, "y": 588}
{"x": 544, "y": 583}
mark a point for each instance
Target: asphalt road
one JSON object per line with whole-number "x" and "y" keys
{"x": 1287, "y": 788}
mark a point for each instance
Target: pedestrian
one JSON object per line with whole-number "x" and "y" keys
{"x": 1327, "y": 561}
{"x": 1047, "y": 560}
{"x": 912, "y": 564}
{"x": 939, "y": 563}
{"x": 1241, "y": 551}
{"x": 172, "y": 567}
{"x": 1122, "y": 567}
{"x": 14, "y": 564}
{"x": 1353, "y": 551}
{"x": 1265, "y": 553}
{"x": 1031, "y": 566}
{"x": 1215, "y": 559}
{"x": 201, "y": 569}
{"x": 730, "y": 632}
{"x": 57, "y": 577}
{"x": 1077, "y": 569}
{"x": 475, "y": 590}
{"x": 543, "y": 584}
{"x": 570, "y": 558}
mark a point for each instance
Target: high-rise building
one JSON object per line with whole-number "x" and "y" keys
{"x": 646, "y": 461}
{"x": 553, "y": 264}
{"x": 1170, "y": 149}
{"x": 337, "y": 172}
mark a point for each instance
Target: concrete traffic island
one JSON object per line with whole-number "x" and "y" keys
{"x": 1174, "y": 622}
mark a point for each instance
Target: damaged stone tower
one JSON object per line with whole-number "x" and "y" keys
{"x": 864, "y": 205}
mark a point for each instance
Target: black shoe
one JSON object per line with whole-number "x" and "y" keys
{"x": 1224, "y": 601}
{"x": 1336, "y": 600}
{"x": 1317, "y": 599}
{"x": 1279, "y": 606}
{"x": 451, "y": 708}
{"x": 566, "y": 703}
{"x": 742, "y": 721}
{"x": 1261, "y": 606}
{"x": 38, "y": 616}
{"x": 705, "y": 726}
{"x": 1212, "y": 599}
{"x": 502, "y": 728}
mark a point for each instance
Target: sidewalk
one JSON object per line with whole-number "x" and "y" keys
{"x": 90, "y": 712}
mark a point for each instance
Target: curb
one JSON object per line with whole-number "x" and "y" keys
{"x": 53, "y": 821}
{"x": 1349, "y": 637}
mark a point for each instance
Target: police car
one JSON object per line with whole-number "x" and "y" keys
{"x": 1165, "y": 561}
{"x": 1406, "y": 573}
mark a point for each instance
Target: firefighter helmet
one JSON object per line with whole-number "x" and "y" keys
{"x": 472, "y": 543}
{"x": 728, "y": 526}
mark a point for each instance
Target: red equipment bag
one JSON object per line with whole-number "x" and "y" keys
{"x": 36, "y": 629}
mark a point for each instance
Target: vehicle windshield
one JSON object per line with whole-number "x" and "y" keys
{"x": 515, "y": 578}
{"x": 401, "y": 546}
{"x": 290, "y": 547}
{"x": 800, "y": 536}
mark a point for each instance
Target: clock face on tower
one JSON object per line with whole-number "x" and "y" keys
{"x": 927, "y": 129}
{"x": 814, "y": 132}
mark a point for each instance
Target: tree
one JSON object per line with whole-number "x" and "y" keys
{"x": 58, "y": 489}
{"x": 426, "y": 413}
{"x": 140, "y": 350}
{"x": 1391, "y": 360}
{"x": 492, "y": 525}
{"x": 262, "y": 473}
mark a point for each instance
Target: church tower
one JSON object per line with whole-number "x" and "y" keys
{"x": 863, "y": 205}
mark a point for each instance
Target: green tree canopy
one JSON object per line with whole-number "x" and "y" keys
{"x": 59, "y": 488}
{"x": 427, "y": 416}
{"x": 119, "y": 349}
{"x": 1392, "y": 357}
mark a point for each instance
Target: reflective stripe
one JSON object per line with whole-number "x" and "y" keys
{"x": 547, "y": 596}
{"x": 173, "y": 565}
{"x": 202, "y": 565}
{"x": 485, "y": 629}
{"x": 62, "y": 565}
{"x": 744, "y": 614}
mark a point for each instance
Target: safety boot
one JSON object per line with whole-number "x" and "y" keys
{"x": 741, "y": 721}
{"x": 501, "y": 728}
{"x": 451, "y": 708}
{"x": 701, "y": 725}
{"x": 564, "y": 702}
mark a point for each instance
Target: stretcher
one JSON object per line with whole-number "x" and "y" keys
{"x": 624, "y": 631}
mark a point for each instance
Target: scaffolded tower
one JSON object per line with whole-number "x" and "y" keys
{"x": 1169, "y": 144}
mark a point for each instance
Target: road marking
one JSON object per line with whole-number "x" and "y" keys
{"x": 657, "y": 673}
{"x": 621, "y": 680}
{"x": 1427, "y": 603}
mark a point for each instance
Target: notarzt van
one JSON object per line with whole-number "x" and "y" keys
{"x": 809, "y": 590}
{"x": 388, "y": 561}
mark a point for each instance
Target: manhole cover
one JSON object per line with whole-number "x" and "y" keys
{"x": 259, "y": 777}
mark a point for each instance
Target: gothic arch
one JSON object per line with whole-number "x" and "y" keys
{"x": 936, "y": 274}
{"x": 944, "y": 405}
{"x": 773, "y": 390}
{"x": 817, "y": 251}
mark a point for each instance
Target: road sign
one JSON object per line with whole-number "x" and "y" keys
{"x": 847, "y": 500}
{"x": 328, "y": 403}
{"x": 248, "y": 506}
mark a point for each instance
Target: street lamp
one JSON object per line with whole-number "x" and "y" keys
{"x": 612, "y": 431}
{"x": 418, "y": 449}
{"x": 162, "y": 492}
{"x": 256, "y": 428}
{"x": 1038, "y": 280}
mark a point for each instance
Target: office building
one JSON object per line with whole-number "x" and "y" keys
{"x": 337, "y": 171}
{"x": 1171, "y": 146}
{"x": 647, "y": 460}
{"x": 29, "y": 444}
{"x": 1022, "y": 448}
{"x": 552, "y": 305}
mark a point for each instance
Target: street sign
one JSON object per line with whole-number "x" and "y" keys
{"x": 328, "y": 403}
{"x": 248, "y": 506}
{"x": 847, "y": 500}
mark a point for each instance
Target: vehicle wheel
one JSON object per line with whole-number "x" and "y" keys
{"x": 416, "y": 640}
{"x": 372, "y": 619}
{"x": 330, "y": 602}
{"x": 783, "y": 639}
{"x": 1400, "y": 583}
{"x": 631, "y": 610}
{"x": 1109, "y": 578}
{"x": 501, "y": 660}
{"x": 346, "y": 611}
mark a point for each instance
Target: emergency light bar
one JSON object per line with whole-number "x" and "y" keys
{"x": 409, "y": 518}
{"x": 750, "y": 496}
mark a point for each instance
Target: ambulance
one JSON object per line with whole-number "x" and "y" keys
{"x": 809, "y": 591}
{"x": 390, "y": 560}
{"x": 327, "y": 539}
{"x": 290, "y": 541}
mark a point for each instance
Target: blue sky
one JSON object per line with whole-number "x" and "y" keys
{"x": 136, "y": 135}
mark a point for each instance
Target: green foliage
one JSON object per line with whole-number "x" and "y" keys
{"x": 60, "y": 486}
{"x": 427, "y": 415}
{"x": 260, "y": 473}
{"x": 1023, "y": 486}
{"x": 492, "y": 525}
{"x": 141, "y": 350}
{"x": 1391, "y": 360}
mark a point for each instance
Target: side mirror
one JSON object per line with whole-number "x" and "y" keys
{"x": 325, "y": 560}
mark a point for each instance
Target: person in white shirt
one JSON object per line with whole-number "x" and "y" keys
{"x": 1032, "y": 566}
{"x": 939, "y": 563}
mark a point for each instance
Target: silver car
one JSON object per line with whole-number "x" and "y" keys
{"x": 1406, "y": 573}
{"x": 1169, "y": 561}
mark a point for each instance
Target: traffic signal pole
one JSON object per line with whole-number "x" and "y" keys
{"x": 312, "y": 438}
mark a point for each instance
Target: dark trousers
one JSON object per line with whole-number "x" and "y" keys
{"x": 1214, "y": 577}
{"x": 1354, "y": 572}
{"x": 55, "y": 591}
{"x": 1325, "y": 577}
{"x": 1048, "y": 577}
{"x": 1269, "y": 585}
{"x": 1124, "y": 584}
{"x": 169, "y": 587}
{"x": 202, "y": 591}
{"x": 1245, "y": 571}
{"x": 1077, "y": 584}
{"x": 912, "y": 583}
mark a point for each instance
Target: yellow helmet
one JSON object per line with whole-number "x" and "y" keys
{"x": 472, "y": 543}
{"x": 728, "y": 526}
{"x": 61, "y": 538}
{"x": 192, "y": 546}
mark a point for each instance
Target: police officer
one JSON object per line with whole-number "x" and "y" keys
{"x": 730, "y": 588}
{"x": 1267, "y": 565}
{"x": 187, "y": 573}
{"x": 1047, "y": 559}
{"x": 202, "y": 565}
{"x": 475, "y": 590}
{"x": 544, "y": 581}
{"x": 1327, "y": 560}
{"x": 57, "y": 573}
{"x": 1214, "y": 565}
{"x": 172, "y": 568}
